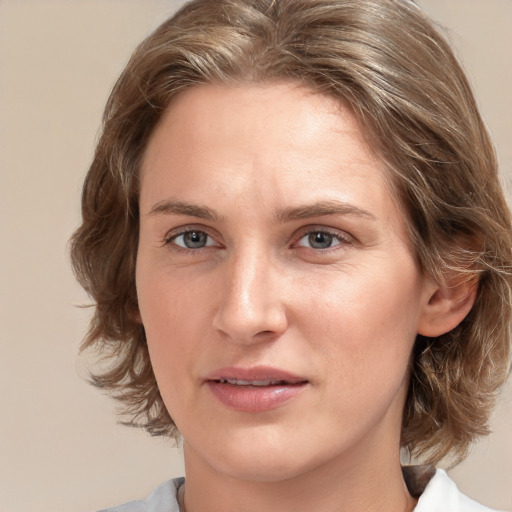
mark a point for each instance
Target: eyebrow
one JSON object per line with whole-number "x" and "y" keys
{"x": 168, "y": 207}
{"x": 321, "y": 208}
{"x": 318, "y": 209}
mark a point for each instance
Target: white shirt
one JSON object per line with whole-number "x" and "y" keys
{"x": 440, "y": 495}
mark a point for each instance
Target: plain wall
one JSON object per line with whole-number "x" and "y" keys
{"x": 60, "y": 447}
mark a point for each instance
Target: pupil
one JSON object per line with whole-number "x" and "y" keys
{"x": 320, "y": 240}
{"x": 194, "y": 239}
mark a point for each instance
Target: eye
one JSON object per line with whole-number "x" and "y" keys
{"x": 193, "y": 239}
{"x": 320, "y": 240}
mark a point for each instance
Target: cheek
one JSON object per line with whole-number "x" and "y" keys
{"x": 367, "y": 345}
{"x": 167, "y": 304}
{"x": 165, "y": 320}
{"x": 367, "y": 304}
{"x": 366, "y": 324}
{"x": 170, "y": 345}
{"x": 176, "y": 313}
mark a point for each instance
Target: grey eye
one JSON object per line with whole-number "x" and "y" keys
{"x": 193, "y": 240}
{"x": 319, "y": 240}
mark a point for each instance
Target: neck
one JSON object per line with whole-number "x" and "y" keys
{"x": 368, "y": 486}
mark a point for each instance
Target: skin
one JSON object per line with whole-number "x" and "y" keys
{"x": 343, "y": 315}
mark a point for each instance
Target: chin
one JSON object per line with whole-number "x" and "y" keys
{"x": 261, "y": 469}
{"x": 263, "y": 457}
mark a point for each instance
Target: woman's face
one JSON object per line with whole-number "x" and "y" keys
{"x": 277, "y": 289}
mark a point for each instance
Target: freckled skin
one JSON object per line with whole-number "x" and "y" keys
{"x": 256, "y": 291}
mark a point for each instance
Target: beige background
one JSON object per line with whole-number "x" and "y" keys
{"x": 60, "y": 447}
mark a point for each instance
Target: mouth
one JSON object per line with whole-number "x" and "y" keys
{"x": 258, "y": 383}
{"x": 254, "y": 390}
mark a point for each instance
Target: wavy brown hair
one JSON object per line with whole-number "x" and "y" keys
{"x": 387, "y": 61}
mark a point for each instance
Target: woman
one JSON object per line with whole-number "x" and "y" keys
{"x": 295, "y": 236}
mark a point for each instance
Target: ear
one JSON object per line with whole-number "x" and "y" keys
{"x": 446, "y": 305}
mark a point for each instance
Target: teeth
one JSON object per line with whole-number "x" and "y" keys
{"x": 239, "y": 382}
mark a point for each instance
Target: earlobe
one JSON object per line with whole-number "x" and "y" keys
{"x": 447, "y": 305}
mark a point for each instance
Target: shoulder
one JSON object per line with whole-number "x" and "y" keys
{"x": 163, "y": 499}
{"x": 442, "y": 495}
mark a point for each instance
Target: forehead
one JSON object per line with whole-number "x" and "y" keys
{"x": 283, "y": 116}
{"x": 274, "y": 144}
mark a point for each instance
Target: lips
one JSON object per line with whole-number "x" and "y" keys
{"x": 256, "y": 389}
{"x": 239, "y": 382}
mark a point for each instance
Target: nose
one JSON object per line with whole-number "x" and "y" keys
{"x": 251, "y": 306}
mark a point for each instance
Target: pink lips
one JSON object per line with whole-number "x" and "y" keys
{"x": 254, "y": 389}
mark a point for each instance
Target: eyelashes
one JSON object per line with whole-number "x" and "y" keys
{"x": 192, "y": 239}
{"x": 317, "y": 239}
{"x": 321, "y": 239}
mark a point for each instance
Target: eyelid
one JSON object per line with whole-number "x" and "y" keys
{"x": 342, "y": 236}
{"x": 174, "y": 233}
